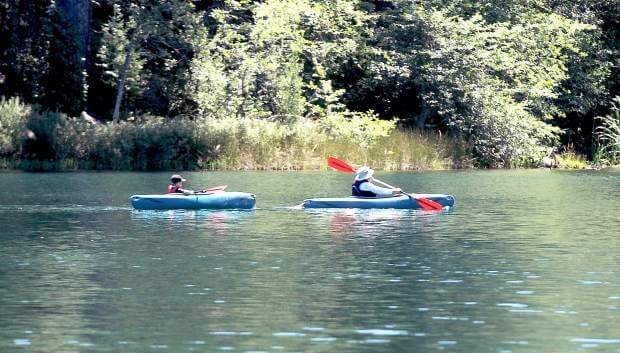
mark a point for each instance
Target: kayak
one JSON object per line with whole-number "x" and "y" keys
{"x": 396, "y": 201}
{"x": 216, "y": 200}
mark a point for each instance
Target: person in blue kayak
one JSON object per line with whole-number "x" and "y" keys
{"x": 176, "y": 185}
{"x": 363, "y": 186}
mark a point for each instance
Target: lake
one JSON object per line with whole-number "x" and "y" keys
{"x": 527, "y": 261}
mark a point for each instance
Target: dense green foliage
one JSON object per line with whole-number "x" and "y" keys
{"x": 54, "y": 141}
{"x": 13, "y": 118}
{"x": 511, "y": 78}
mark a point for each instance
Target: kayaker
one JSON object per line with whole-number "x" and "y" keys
{"x": 176, "y": 185}
{"x": 363, "y": 186}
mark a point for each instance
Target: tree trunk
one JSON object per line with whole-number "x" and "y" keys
{"x": 421, "y": 119}
{"x": 78, "y": 14}
{"x": 120, "y": 88}
{"x": 73, "y": 50}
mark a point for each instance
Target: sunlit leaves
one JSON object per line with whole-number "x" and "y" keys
{"x": 276, "y": 58}
{"x": 495, "y": 82}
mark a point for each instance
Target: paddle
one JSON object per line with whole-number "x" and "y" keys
{"x": 216, "y": 188}
{"x": 342, "y": 166}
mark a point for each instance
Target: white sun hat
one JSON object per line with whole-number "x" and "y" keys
{"x": 363, "y": 173}
{"x": 177, "y": 177}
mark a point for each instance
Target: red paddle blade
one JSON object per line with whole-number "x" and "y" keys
{"x": 339, "y": 165}
{"x": 217, "y": 188}
{"x": 429, "y": 205}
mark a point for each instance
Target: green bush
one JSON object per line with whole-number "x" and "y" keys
{"x": 13, "y": 118}
{"x": 152, "y": 144}
{"x": 44, "y": 141}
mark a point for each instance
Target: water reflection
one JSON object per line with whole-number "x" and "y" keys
{"x": 213, "y": 222}
{"x": 191, "y": 215}
{"x": 343, "y": 223}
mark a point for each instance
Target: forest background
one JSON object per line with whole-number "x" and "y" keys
{"x": 281, "y": 84}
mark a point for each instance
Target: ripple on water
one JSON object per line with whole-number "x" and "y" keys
{"x": 451, "y": 281}
{"x": 519, "y": 343}
{"x": 526, "y": 311}
{"x": 525, "y": 292}
{"x": 596, "y": 340}
{"x": 231, "y": 333}
{"x": 313, "y": 329}
{"x": 288, "y": 334}
{"x": 383, "y": 332}
{"x": 446, "y": 343}
{"x": 592, "y": 283}
{"x": 223, "y": 333}
{"x": 450, "y": 318}
{"x": 513, "y": 305}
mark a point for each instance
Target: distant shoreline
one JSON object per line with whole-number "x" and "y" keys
{"x": 69, "y": 166}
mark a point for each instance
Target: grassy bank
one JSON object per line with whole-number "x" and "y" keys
{"x": 31, "y": 139}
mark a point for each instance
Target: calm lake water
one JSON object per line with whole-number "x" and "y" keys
{"x": 527, "y": 261}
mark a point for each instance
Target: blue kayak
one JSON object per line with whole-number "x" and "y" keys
{"x": 397, "y": 201}
{"x": 217, "y": 200}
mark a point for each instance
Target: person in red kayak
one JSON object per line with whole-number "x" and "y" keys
{"x": 363, "y": 186}
{"x": 176, "y": 185}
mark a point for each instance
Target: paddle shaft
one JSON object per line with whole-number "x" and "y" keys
{"x": 391, "y": 187}
{"x": 216, "y": 188}
{"x": 423, "y": 202}
{"x": 383, "y": 183}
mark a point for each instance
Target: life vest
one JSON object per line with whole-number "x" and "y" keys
{"x": 173, "y": 189}
{"x": 356, "y": 191}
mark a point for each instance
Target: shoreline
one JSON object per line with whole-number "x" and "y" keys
{"x": 68, "y": 166}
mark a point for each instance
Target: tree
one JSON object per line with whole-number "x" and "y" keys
{"x": 145, "y": 43}
{"x": 497, "y": 83}
{"x": 274, "y": 58}
{"x": 23, "y": 52}
{"x": 65, "y": 86}
{"x": 43, "y": 60}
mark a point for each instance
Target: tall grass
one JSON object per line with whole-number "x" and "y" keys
{"x": 306, "y": 144}
{"x": 46, "y": 140}
{"x": 608, "y": 134}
